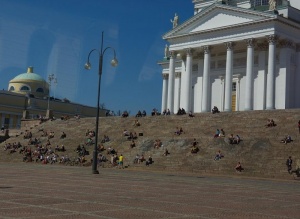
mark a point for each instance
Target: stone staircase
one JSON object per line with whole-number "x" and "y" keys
{"x": 260, "y": 151}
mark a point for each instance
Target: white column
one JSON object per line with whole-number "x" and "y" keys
{"x": 177, "y": 91}
{"x": 238, "y": 87}
{"x": 164, "y": 92}
{"x": 206, "y": 81}
{"x": 297, "y": 90}
{"x": 271, "y": 73}
{"x": 187, "y": 88}
{"x": 222, "y": 93}
{"x": 249, "y": 75}
{"x": 228, "y": 77}
{"x": 170, "y": 101}
{"x": 262, "y": 78}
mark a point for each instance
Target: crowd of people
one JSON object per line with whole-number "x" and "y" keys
{"x": 46, "y": 154}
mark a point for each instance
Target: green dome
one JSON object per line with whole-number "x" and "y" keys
{"x": 28, "y": 76}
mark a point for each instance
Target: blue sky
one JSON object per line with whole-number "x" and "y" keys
{"x": 55, "y": 37}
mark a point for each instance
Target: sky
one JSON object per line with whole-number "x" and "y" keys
{"x": 56, "y": 36}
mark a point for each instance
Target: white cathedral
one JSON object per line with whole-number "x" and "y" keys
{"x": 237, "y": 55}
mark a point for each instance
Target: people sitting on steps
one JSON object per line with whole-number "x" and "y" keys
{"x": 139, "y": 114}
{"x": 63, "y": 135}
{"x": 191, "y": 114}
{"x": 219, "y": 155}
{"x": 194, "y": 149}
{"x": 125, "y": 114}
{"x": 234, "y": 140}
{"x": 270, "y": 123}
{"x": 215, "y": 110}
{"x": 136, "y": 123}
{"x": 286, "y": 139}
{"x": 149, "y": 161}
{"x": 181, "y": 111}
{"x": 217, "y": 134}
{"x": 238, "y": 167}
{"x": 166, "y": 153}
{"x": 132, "y": 144}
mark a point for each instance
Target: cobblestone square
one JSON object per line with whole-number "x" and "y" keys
{"x": 45, "y": 191}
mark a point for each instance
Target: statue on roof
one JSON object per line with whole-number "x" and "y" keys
{"x": 175, "y": 20}
{"x": 272, "y": 5}
{"x": 166, "y": 51}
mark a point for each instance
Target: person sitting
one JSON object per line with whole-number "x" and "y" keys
{"x": 153, "y": 113}
{"x": 149, "y": 161}
{"x": 239, "y": 167}
{"x": 179, "y": 112}
{"x": 137, "y": 123}
{"x": 231, "y": 139}
{"x": 125, "y": 114}
{"x": 63, "y": 135}
{"x": 270, "y": 123}
{"x": 2, "y": 128}
{"x": 177, "y": 132}
{"x": 168, "y": 112}
{"x": 105, "y": 139}
{"x": 141, "y": 159}
{"x": 166, "y": 153}
{"x": 222, "y": 133}
{"x": 287, "y": 139}
{"x": 144, "y": 113}
{"x": 139, "y": 114}
{"x": 126, "y": 132}
{"x": 101, "y": 147}
{"x": 215, "y": 110}
{"x": 195, "y": 143}
{"x": 164, "y": 112}
{"x": 218, "y": 155}
{"x": 194, "y": 149}
{"x": 132, "y": 144}
{"x": 237, "y": 139}
{"x": 217, "y": 133}
{"x": 136, "y": 159}
{"x": 157, "y": 144}
{"x": 191, "y": 114}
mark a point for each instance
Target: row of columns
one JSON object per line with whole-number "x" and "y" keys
{"x": 185, "y": 93}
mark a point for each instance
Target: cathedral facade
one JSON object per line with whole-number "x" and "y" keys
{"x": 237, "y": 55}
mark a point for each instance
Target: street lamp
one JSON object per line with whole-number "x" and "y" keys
{"x": 51, "y": 77}
{"x": 87, "y": 66}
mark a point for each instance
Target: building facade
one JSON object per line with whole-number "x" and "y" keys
{"x": 28, "y": 98}
{"x": 237, "y": 55}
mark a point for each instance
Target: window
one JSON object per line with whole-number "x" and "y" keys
{"x": 255, "y": 3}
{"x": 24, "y": 88}
{"x": 234, "y": 86}
{"x": 40, "y": 90}
{"x": 11, "y": 88}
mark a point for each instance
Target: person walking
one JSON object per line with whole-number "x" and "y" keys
{"x": 289, "y": 163}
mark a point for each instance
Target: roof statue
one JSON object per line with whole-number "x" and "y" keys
{"x": 175, "y": 20}
{"x": 272, "y": 5}
{"x": 166, "y": 51}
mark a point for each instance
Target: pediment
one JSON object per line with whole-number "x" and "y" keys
{"x": 218, "y": 17}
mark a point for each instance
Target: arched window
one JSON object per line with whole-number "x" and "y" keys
{"x": 12, "y": 88}
{"x": 40, "y": 90}
{"x": 25, "y": 88}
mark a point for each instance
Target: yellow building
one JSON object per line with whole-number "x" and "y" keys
{"x": 27, "y": 98}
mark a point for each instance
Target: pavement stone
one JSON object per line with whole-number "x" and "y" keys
{"x": 45, "y": 191}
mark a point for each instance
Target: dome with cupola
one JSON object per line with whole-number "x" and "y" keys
{"x": 29, "y": 83}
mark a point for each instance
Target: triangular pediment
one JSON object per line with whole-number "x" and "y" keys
{"x": 218, "y": 17}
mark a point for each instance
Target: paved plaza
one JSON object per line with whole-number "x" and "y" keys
{"x": 45, "y": 191}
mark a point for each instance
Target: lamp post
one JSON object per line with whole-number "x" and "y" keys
{"x": 87, "y": 66}
{"x": 51, "y": 77}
